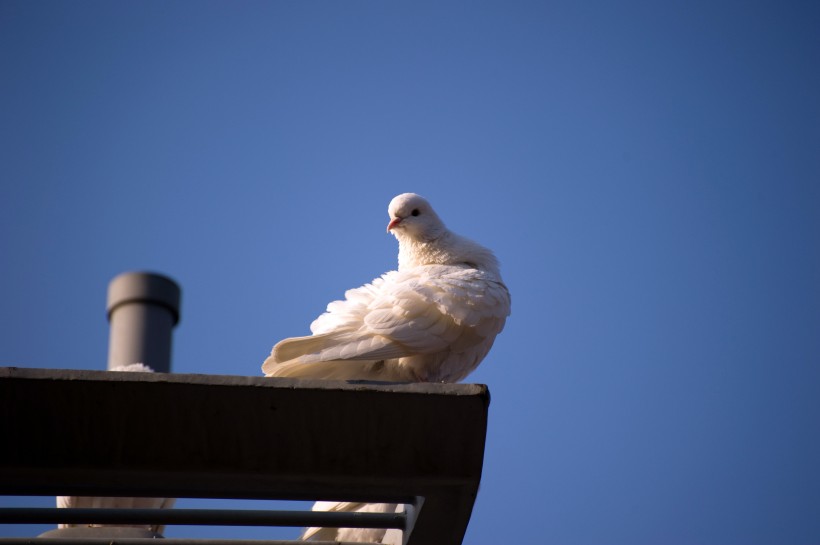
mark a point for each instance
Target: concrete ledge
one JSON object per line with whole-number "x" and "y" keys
{"x": 143, "y": 434}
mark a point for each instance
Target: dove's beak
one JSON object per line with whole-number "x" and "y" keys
{"x": 393, "y": 223}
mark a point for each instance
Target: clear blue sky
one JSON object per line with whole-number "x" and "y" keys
{"x": 647, "y": 172}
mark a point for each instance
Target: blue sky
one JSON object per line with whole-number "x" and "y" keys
{"x": 648, "y": 174}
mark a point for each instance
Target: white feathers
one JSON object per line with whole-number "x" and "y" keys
{"x": 355, "y": 535}
{"x": 432, "y": 320}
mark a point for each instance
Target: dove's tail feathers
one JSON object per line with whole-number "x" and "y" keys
{"x": 296, "y": 347}
{"x": 290, "y": 351}
{"x": 300, "y": 357}
{"x": 382, "y": 370}
{"x": 359, "y": 351}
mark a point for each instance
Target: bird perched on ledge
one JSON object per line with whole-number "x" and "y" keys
{"x": 432, "y": 320}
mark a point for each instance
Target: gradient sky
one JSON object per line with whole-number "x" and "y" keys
{"x": 648, "y": 174}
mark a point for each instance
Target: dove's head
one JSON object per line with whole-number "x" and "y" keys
{"x": 412, "y": 216}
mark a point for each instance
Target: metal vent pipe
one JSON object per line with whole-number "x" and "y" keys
{"x": 143, "y": 309}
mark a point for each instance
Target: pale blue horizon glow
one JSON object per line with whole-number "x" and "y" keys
{"x": 647, "y": 173}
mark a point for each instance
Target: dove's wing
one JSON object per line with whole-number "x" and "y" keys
{"x": 433, "y": 309}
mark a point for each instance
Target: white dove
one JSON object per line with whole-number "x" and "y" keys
{"x": 432, "y": 320}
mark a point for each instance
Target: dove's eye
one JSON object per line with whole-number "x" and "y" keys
{"x": 415, "y": 212}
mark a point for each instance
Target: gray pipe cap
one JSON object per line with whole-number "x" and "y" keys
{"x": 145, "y": 288}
